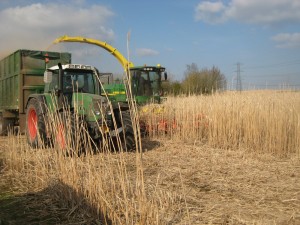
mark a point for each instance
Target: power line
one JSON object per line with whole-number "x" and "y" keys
{"x": 272, "y": 75}
{"x": 281, "y": 64}
{"x": 238, "y": 77}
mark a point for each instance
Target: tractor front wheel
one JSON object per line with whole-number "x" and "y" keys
{"x": 127, "y": 136}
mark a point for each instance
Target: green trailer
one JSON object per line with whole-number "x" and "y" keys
{"x": 21, "y": 74}
{"x": 56, "y": 103}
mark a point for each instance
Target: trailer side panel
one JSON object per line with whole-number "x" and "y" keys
{"x": 21, "y": 74}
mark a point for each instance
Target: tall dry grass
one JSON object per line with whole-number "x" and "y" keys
{"x": 101, "y": 180}
{"x": 261, "y": 121}
{"x": 114, "y": 189}
{"x": 98, "y": 180}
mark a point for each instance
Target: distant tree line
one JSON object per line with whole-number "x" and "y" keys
{"x": 204, "y": 81}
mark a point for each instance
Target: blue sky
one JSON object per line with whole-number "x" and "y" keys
{"x": 263, "y": 36}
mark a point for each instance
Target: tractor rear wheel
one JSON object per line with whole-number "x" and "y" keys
{"x": 35, "y": 124}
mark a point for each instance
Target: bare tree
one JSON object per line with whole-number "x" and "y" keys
{"x": 204, "y": 81}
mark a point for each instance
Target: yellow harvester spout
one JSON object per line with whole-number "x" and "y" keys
{"x": 124, "y": 62}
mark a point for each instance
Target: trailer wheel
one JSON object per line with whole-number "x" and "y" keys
{"x": 5, "y": 125}
{"x": 35, "y": 125}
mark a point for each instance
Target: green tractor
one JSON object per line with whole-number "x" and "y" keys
{"x": 145, "y": 85}
{"x": 72, "y": 98}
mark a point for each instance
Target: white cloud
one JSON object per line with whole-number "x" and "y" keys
{"x": 35, "y": 26}
{"x": 287, "y": 40}
{"x": 266, "y": 12}
{"x": 211, "y": 12}
{"x": 146, "y": 52}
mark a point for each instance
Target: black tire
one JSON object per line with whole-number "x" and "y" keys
{"x": 127, "y": 136}
{"x": 72, "y": 135}
{"x": 143, "y": 129}
{"x": 35, "y": 125}
{"x": 5, "y": 125}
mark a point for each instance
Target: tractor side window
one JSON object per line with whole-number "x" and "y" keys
{"x": 134, "y": 82}
{"x": 54, "y": 83}
{"x": 91, "y": 84}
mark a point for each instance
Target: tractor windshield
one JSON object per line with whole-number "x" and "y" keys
{"x": 146, "y": 83}
{"x": 78, "y": 81}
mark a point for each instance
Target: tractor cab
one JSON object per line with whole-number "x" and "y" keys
{"x": 146, "y": 83}
{"x": 74, "y": 78}
{"x": 76, "y": 87}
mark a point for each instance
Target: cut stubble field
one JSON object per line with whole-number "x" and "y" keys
{"x": 182, "y": 176}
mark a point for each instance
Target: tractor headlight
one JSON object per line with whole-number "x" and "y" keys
{"x": 97, "y": 112}
{"x": 100, "y": 107}
{"x": 85, "y": 67}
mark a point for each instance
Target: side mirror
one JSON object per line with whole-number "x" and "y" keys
{"x": 166, "y": 75}
{"x": 48, "y": 77}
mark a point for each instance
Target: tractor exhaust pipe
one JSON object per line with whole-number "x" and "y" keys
{"x": 60, "y": 78}
{"x": 59, "y": 92}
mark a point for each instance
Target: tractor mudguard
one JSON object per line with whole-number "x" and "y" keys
{"x": 41, "y": 99}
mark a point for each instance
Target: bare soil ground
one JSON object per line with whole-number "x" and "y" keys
{"x": 208, "y": 185}
{"x": 225, "y": 186}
